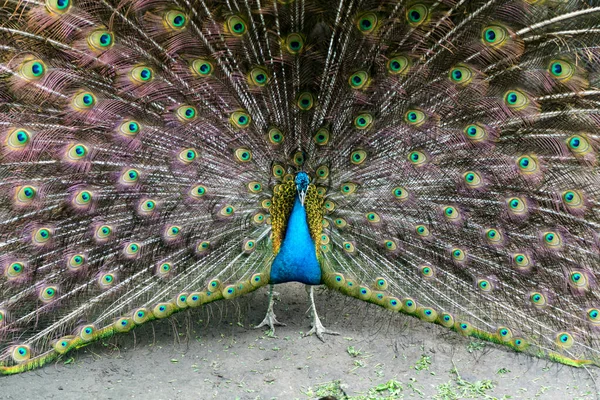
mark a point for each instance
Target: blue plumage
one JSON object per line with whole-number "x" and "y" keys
{"x": 297, "y": 259}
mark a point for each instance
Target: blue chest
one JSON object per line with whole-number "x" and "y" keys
{"x": 296, "y": 260}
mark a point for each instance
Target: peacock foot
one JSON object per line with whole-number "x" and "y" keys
{"x": 317, "y": 327}
{"x": 270, "y": 319}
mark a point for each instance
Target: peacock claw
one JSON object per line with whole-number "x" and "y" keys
{"x": 270, "y": 319}
{"x": 317, "y": 327}
{"x": 319, "y": 330}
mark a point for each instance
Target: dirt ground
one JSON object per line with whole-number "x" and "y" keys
{"x": 214, "y": 353}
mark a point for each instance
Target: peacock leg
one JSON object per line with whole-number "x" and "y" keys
{"x": 317, "y": 326}
{"x": 270, "y": 319}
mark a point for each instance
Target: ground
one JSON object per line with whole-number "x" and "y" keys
{"x": 214, "y": 353}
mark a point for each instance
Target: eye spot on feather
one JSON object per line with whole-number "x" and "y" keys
{"x": 58, "y": 6}
{"x": 202, "y": 67}
{"x": 100, "y": 40}
{"x": 367, "y": 22}
{"x": 186, "y": 113}
{"x": 417, "y": 14}
{"x": 236, "y": 26}
{"x": 175, "y": 20}
{"x": 494, "y": 36}
{"x": 358, "y": 157}
{"x": 363, "y": 121}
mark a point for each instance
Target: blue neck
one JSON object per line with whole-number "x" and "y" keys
{"x": 297, "y": 259}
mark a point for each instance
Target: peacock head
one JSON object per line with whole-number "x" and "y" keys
{"x": 302, "y": 180}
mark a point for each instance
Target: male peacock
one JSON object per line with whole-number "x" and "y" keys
{"x": 437, "y": 158}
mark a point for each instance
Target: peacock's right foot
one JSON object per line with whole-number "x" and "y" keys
{"x": 270, "y": 319}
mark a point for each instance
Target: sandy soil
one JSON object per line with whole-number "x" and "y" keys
{"x": 214, "y": 353}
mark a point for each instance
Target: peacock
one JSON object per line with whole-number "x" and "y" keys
{"x": 434, "y": 157}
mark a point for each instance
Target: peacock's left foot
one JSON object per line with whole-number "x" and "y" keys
{"x": 317, "y": 327}
{"x": 270, "y": 319}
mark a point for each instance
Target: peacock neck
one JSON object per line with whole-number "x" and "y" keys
{"x": 297, "y": 259}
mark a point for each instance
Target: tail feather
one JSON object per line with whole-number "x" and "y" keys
{"x": 149, "y": 151}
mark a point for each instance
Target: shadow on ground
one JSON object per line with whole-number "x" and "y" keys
{"x": 214, "y": 353}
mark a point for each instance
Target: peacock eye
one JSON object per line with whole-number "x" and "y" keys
{"x": 415, "y": 117}
{"x": 243, "y": 155}
{"x": 77, "y": 152}
{"x": 84, "y": 101}
{"x": 359, "y": 80}
{"x": 417, "y": 158}
{"x": 400, "y": 193}
{"x": 47, "y": 293}
{"x": 564, "y": 340}
{"x": 130, "y": 176}
{"x": 202, "y": 67}
{"x": 461, "y": 74}
{"x": 41, "y": 236}
{"x": 240, "y": 119}
{"x": 187, "y": 156}
{"x": 348, "y": 188}
{"x": 516, "y": 205}
{"x": 103, "y": 232}
{"x": 367, "y": 22}
{"x": 516, "y": 99}
{"x": 254, "y": 187}
{"x": 275, "y": 136}
{"x": 198, "y": 191}
{"x": 175, "y": 20}
{"x": 593, "y": 315}
{"x": 363, "y": 121}
{"x": 32, "y": 70}
{"x": 552, "y": 239}
{"x": 493, "y": 236}
{"x": 21, "y": 353}
{"x": 18, "y": 139}
{"x": 579, "y": 145}
{"x": 358, "y": 157}
{"x": 58, "y": 6}
{"x": 141, "y": 74}
{"x": 578, "y": 279}
{"x": 451, "y": 213}
{"x": 458, "y": 254}
{"x": 305, "y": 101}
{"x": 372, "y": 218}
{"x": 417, "y": 14}
{"x": 397, "y": 65}
{"x": 573, "y": 199}
{"x": 227, "y": 210}
{"x": 527, "y": 164}
{"x": 259, "y": 76}
{"x": 427, "y": 271}
{"x": 322, "y": 172}
{"x": 76, "y": 261}
{"x": 82, "y": 198}
{"x": 236, "y": 26}
{"x": 322, "y": 136}
{"x": 348, "y": 247}
{"x": 294, "y": 43}
{"x": 561, "y": 70}
{"x": 475, "y": 133}
{"x": 422, "y": 230}
{"x": 186, "y": 113}
{"x": 147, "y": 207}
{"x": 100, "y": 40}
{"x": 472, "y": 179}
{"x": 129, "y": 128}
{"x": 13, "y": 271}
{"x": 485, "y": 285}
{"x": 494, "y": 36}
